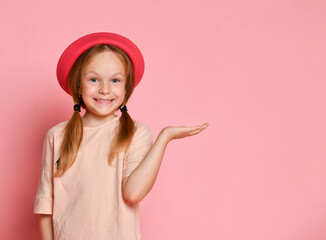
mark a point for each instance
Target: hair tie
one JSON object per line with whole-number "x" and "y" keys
{"x": 77, "y": 107}
{"x": 123, "y": 108}
{"x": 57, "y": 163}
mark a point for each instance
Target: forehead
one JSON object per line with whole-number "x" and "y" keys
{"x": 105, "y": 61}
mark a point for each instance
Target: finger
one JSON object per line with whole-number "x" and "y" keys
{"x": 191, "y": 129}
{"x": 195, "y": 132}
{"x": 195, "y": 128}
{"x": 203, "y": 126}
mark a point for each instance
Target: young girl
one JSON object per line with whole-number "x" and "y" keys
{"x": 97, "y": 168}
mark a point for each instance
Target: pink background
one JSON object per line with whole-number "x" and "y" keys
{"x": 255, "y": 70}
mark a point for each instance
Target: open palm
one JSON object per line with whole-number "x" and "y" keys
{"x": 175, "y": 132}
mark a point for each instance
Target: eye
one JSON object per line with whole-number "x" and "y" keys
{"x": 93, "y": 80}
{"x": 115, "y": 80}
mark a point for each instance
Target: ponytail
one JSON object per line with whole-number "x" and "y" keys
{"x": 73, "y": 136}
{"x": 123, "y": 137}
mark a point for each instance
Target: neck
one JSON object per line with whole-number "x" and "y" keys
{"x": 92, "y": 120}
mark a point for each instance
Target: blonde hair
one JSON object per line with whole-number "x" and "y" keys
{"x": 73, "y": 132}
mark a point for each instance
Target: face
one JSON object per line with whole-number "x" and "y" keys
{"x": 103, "y": 86}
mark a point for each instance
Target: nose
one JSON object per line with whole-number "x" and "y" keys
{"x": 104, "y": 87}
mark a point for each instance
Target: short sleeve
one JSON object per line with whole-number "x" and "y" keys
{"x": 43, "y": 203}
{"x": 139, "y": 147}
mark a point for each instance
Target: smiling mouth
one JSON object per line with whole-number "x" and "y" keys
{"x": 103, "y": 100}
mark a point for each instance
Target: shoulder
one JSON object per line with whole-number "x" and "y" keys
{"x": 142, "y": 133}
{"x": 142, "y": 127}
{"x": 56, "y": 130}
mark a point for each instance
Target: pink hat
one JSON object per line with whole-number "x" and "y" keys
{"x": 75, "y": 49}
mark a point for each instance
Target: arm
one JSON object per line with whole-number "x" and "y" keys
{"x": 46, "y": 227}
{"x": 139, "y": 183}
{"x": 43, "y": 203}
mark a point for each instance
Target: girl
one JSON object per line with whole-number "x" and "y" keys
{"x": 97, "y": 168}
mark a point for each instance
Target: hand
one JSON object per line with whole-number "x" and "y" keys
{"x": 176, "y": 132}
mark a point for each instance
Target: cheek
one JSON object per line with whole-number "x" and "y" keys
{"x": 123, "y": 92}
{"x": 120, "y": 92}
{"x": 88, "y": 90}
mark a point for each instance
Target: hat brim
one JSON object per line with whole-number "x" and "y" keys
{"x": 75, "y": 49}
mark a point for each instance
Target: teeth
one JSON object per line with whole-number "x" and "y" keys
{"x": 103, "y": 100}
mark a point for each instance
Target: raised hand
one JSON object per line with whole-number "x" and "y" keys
{"x": 175, "y": 132}
{"x": 138, "y": 184}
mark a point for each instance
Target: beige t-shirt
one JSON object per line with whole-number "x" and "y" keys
{"x": 86, "y": 203}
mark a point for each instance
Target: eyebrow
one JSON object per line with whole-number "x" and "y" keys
{"x": 118, "y": 73}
